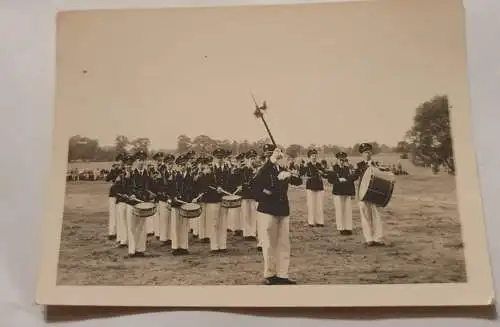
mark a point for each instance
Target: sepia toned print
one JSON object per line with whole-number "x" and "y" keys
{"x": 267, "y": 146}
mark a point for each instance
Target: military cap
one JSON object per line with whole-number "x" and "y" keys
{"x": 169, "y": 158}
{"x": 128, "y": 159}
{"x": 181, "y": 160}
{"x": 269, "y": 147}
{"x": 310, "y": 152}
{"x": 119, "y": 156}
{"x": 251, "y": 154}
{"x": 141, "y": 154}
{"x": 159, "y": 156}
{"x": 341, "y": 155}
{"x": 219, "y": 153}
{"x": 365, "y": 147}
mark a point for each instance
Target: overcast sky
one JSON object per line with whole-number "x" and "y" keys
{"x": 331, "y": 73}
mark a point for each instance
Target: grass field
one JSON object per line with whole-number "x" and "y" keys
{"x": 421, "y": 225}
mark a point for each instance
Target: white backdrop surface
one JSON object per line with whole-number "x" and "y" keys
{"x": 26, "y": 78}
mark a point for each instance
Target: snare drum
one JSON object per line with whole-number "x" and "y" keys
{"x": 231, "y": 201}
{"x": 376, "y": 187}
{"x": 144, "y": 209}
{"x": 190, "y": 210}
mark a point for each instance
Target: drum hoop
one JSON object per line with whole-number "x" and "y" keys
{"x": 389, "y": 194}
{"x": 368, "y": 183}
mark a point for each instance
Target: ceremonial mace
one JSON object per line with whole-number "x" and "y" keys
{"x": 259, "y": 113}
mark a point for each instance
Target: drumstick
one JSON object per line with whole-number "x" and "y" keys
{"x": 180, "y": 201}
{"x": 223, "y": 191}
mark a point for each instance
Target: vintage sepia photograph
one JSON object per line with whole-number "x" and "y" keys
{"x": 308, "y": 144}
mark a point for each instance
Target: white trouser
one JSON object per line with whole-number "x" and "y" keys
{"x": 156, "y": 221}
{"x": 194, "y": 224}
{"x": 203, "y": 227}
{"x": 136, "y": 232}
{"x": 180, "y": 230}
{"x": 234, "y": 219}
{"x": 249, "y": 217}
{"x": 163, "y": 221}
{"x": 121, "y": 223}
{"x": 343, "y": 212}
{"x": 150, "y": 225}
{"x": 217, "y": 218}
{"x": 315, "y": 207}
{"x": 276, "y": 245}
{"x": 112, "y": 216}
{"x": 371, "y": 222}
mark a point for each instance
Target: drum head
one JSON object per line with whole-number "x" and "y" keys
{"x": 190, "y": 206}
{"x": 144, "y": 205}
{"x": 231, "y": 197}
{"x": 365, "y": 182}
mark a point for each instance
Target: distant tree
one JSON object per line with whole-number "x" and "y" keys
{"x": 183, "y": 143}
{"x": 294, "y": 150}
{"x": 402, "y": 147}
{"x": 141, "y": 143}
{"x": 430, "y": 137}
{"x": 121, "y": 143}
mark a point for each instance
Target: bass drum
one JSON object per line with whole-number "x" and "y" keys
{"x": 376, "y": 187}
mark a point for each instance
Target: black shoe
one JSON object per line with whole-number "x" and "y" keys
{"x": 205, "y": 240}
{"x": 122, "y": 245}
{"x": 158, "y": 238}
{"x": 168, "y": 242}
{"x": 250, "y": 238}
{"x": 238, "y": 233}
{"x": 183, "y": 251}
{"x": 273, "y": 280}
{"x": 195, "y": 236}
{"x": 369, "y": 244}
{"x": 223, "y": 251}
{"x": 259, "y": 248}
{"x": 320, "y": 225}
{"x": 285, "y": 281}
{"x": 378, "y": 244}
{"x": 111, "y": 237}
{"x": 176, "y": 252}
{"x": 348, "y": 232}
{"x": 311, "y": 225}
{"x": 150, "y": 234}
{"x": 140, "y": 254}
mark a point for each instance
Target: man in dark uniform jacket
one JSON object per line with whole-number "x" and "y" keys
{"x": 185, "y": 191}
{"x": 165, "y": 188}
{"x": 140, "y": 189}
{"x": 371, "y": 221}
{"x": 313, "y": 172}
{"x": 111, "y": 177}
{"x": 235, "y": 186}
{"x": 122, "y": 186}
{"x": 271, "y": 190}
{"x": 155, "y": 173}
{"x": 343, "y": 191}
{"x": 248, "y": 203}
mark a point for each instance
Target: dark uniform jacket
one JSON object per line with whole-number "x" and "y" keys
{"x": 361, "y": 167}
{"x": 165, "y": 187}
{"x": 185, "y": 188}
{"x": 247, "y": 176}
{"x": 315, "y": 175}
{"x": 111, "y": 177}
{"x": 218, "y": 177}
{"x": 140, "y": 185}
{"x": 346, "y": 188}
{"x": 276, "y": 203}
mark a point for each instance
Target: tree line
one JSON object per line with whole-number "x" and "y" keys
{"x": 428, "y": 143}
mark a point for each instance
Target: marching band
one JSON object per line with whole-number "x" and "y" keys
{"x": 210, "y": 196}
